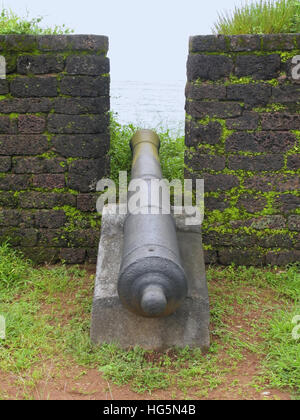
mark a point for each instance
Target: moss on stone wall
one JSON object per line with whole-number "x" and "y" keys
{"x": 249, "y": 158}
{"x": 54, "y": 140}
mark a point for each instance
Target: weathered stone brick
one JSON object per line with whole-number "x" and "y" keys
{"x": 38, "y": 165}
{"x": 92, "y": 65}
{"x": 31, "y": 124}
{"x": 40, "y": 200}
{"x": 51, "y": 219}
{"x": 78, "y": 223}
{"x": 216, "y": 203}
{"x": 69, "y": 124}
{"x": 248, "y": 121}
{"x": 269, "y": 222}
{"x": 19, "y": 236}
{"x": 256, "y": 163}
{"x": 19, "y": 42}
{"x": 23, "y": 145}
{"x": 84, "y": 174}
{"x": 285, "y": 93}
{"x": 205, "y": 91}
{"x": 260, "y": 142}
{"x": 5, "y": 163}
{"x": 293, "y": 162}
{"x": 79, "y": 106}
{"x": 40, "y": 64}
{"x": 253, "y": 94}
{"x": 11, "y": 62}
{"x": 210, "y": 256}
{"x": 278, "y": 121}
{"x": 49, "y": 181}
{"x": 228, "y": 239}
{"x": 31, "y": 87}
{"x": 294, "y": 222}
{"x": 275, "y": 241}
{"x": 84, "y": 238}
{"x": 72, "y": 256}
{"x": 41, "y": 255}
{"x": 4, "y": 87}
{"x": 85, "y": 145}
{"x": 85, "y": 86}
{"x": 217, "y": 182}
{"x": 25, "y": 105}
{"x": 228, "y": 256}
{"x": 208, "y": 67}
{"x": 8, "y": 199}
{"x": 200, "y": 162}
{"x": 11, "y": 182}
{"x": 91, "y": 255}
{"x": 92, "y": 43}
{"x": 208, "y": 43}
{"x": 7, "y": 125}
{"x": 244, "y": 42}
{"x": 275, "y": 42}
{"x": 87, "y": 202}
{"x": 213, "y": 109}
{"x": 279, "y": 183}
{"x": 260, "y": 67}
{"x": 296, "y": 241}
{"x": 19, "y": 218}
{"x": 282, "y": 257}
{"x": 251, "y": 203}
{"x": 287, "y": 202}
{"x": 237, "y": 224}
{"x": 52, "y": 238}
{"x": 198, "y": 133}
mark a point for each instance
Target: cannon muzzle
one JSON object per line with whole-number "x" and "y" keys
{"x": 152, "y": 282}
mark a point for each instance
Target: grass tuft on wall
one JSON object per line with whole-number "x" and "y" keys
{"x": 11, "y": 23}
{"x": 260, "y": 17}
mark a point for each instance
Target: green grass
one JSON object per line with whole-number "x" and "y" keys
{"x": 283, "y": 357}
{"x": 260, "y": 17}
{"x": 11, "y": 23}
{"x": 47, "y": 311}
{"x": 171, "y": 150}
{"x": 14, "y": 270}
{"x": 281, "y": 353}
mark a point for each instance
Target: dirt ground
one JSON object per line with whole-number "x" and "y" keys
{"x": 88, "y": 384}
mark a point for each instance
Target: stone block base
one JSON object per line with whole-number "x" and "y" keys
{"x": 112, "y": 323}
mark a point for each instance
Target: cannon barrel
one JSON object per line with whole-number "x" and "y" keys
{"x": 152, "y": 282}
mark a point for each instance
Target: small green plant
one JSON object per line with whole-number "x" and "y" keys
{"x": 14, "y": 269}
{"x": 120, "y": 154}
{"x": 283, "y": 357}
{"x": 261, "y": 17}
{"x": 11, "y": 23}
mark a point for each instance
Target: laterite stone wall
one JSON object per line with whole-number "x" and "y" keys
{"x": 242, "y": 137}
{"x": 54, "y": 139}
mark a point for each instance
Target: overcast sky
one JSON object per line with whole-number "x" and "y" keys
{"x": 148, "y": 38}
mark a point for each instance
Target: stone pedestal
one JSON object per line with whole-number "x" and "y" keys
{"x": 112, "y": 323}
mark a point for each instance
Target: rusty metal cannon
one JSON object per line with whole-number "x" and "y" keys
{"x": 150, "y": 287}
{"x": 152, "y": 281}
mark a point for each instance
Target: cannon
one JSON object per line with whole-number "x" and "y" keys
{"x": 150, "y": 286}
{"x": 152, "y": 282}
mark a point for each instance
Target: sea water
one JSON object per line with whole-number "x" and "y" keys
{"x": 152, "y": 105}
